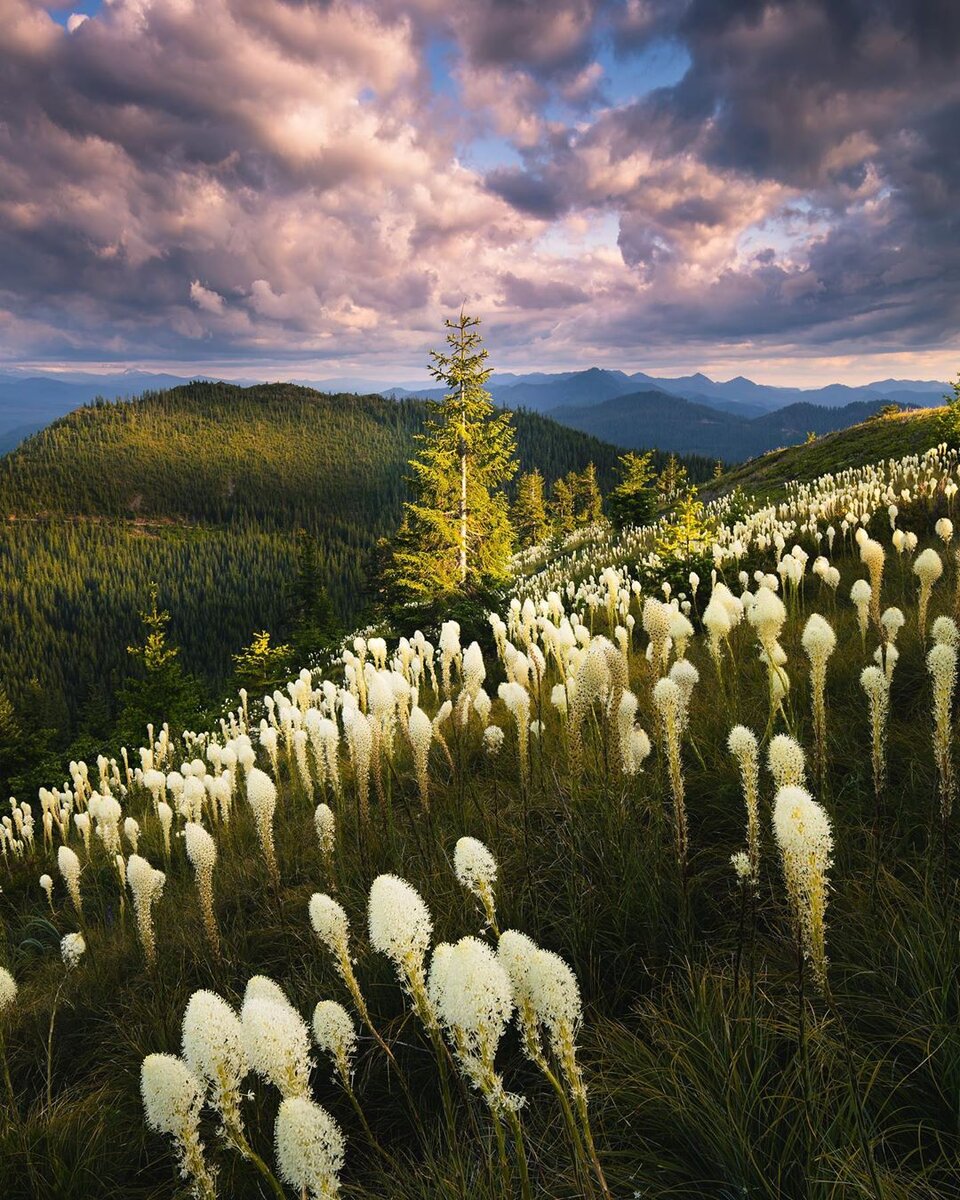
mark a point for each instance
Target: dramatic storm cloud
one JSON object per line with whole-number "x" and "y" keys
{"x": 275, "y": 182}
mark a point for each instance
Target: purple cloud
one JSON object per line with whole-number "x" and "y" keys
{"x": 274, "y": 180}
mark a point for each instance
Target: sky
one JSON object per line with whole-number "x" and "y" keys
{"x": 307, "y": 188}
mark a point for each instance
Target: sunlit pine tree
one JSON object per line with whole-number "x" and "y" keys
{"x": 456, "y": 534}
{"x": 159, "y": 689}
{"x": 588, "y": 501}
{"x": 952, "y": 422}
{"x": 529, "y": 511}
{"x": 562, "y": 507}
{"x": 689, "y": 531}
{"x": 261, "y": 667}
{"x": 672, "y": 480}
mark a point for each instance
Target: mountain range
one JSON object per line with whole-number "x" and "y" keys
{"x": 544, "y": 393}
{"x": 651, "y": 417}
{"x": 682, "y": 414}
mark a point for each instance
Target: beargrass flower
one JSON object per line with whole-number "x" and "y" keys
{"x": 172, "y": 1100}
{"x": 819, "y": 641}
{"x": 8, "y": 990}
{"x": 493, "y": 737}
{"x": 669, "y": 701}
{"x": 310, "y": 1148}
{"x": 202, "y": 853}
{"x": 516, "y": 699}
{"x": 476, "y": 870}
{"x": 262, "y": 797}
{"x": 862, "y": 596}
{"x": 276, "y": 1042}
{"x": 471, "y": 994}
{"x": 400, "y": 927}
{"x": 928, "y": 568}
{"x": 213, "y": 1049}
{"x": 942, "y": 665}
{"x": 786, "y": 761}
{"x": 69, "y": 866}
{"x": 873, "y": 556}
{"x": 325, "y": 823}
{"x": 336, "y": 1035}
{"x": 876, "y": 685}
{"x": 165, "y": 813}
{"x": 742, "y": 743}
{"x": 420, "y": 730}
{"x": 804, "y": 838}
{"x": 72, "y": 948}
{"x": 146, "y": 886}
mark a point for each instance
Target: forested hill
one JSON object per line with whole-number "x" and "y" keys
{"x": 278, "y": 455}
{"x": 201, "y": 489}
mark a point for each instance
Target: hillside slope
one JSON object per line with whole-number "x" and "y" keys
{"x": 201, "y": 489}
{"x": 749, "y": 905}
{"x": 871, "y": 441}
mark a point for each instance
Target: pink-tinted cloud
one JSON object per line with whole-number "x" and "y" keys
{"x": 286, "y": 180}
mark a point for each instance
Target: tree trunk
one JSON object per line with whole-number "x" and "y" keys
{"x": 463, "y": 492}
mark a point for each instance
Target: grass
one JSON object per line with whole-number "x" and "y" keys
{"x": 695, "y": 1084}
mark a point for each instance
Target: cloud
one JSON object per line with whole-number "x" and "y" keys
{"x": 526, "y": 192}
{"x": 205, "y": 299}
{"x": 284, "y": 180}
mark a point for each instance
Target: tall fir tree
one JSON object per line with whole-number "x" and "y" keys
{"x": 952, "y": 419}
{"x": 456, "y": 534}
{"x": 529, "y": 515}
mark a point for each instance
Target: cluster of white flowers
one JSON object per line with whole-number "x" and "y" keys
{"x": 73, "y": 946}
{"x": 275, "y": 1037}
{"x": 146, "y": 885}
{"x": 805, "y": 840}
{"x": 310, "y": 1148}
{"x": 213, "y": 1049}
{"x": 471, "y": 994}
{"x": 8, "y": 990}
{"x": 172, "y": 1102}
{"x": 399, "y": 922}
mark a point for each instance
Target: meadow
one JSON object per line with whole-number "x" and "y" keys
{"x": 651, "y": 891}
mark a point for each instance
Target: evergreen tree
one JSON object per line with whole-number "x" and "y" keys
{"x": 160, "y": 689}
{"x": 952, "y": 422}
{"x": 456, "y": 534}
{"x": 11, "y": 734}
{"x": 633, "y": 501}
{"x": 686, "y": 537}
{"x": 562, "y": 508}
{"x": 587, "y": 500}
{"x": 672, "y": 480}
{"x": 260, "y": 667}
{"x": 314, "y": 622}
{"x": 529, "y": 512}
